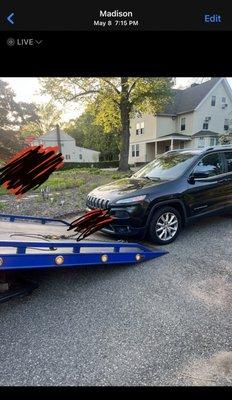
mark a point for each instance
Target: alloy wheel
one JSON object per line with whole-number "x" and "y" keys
{"x": 166, "y": 226}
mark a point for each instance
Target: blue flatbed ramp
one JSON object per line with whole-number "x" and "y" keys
{"x": 22, "y": 246}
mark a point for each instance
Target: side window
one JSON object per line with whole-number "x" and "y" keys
{"x": 226, "y": 124}
{"x": 142, "y": 128}
{"x": 209, "y": 165}
{"x": 137, "y": 128}
{"x": 182, "y": 124}
{"x": 201, "y": 142}
{"x": 213, "y": 101}
{"x": 133, "y": 150}
{"x": 137, "y": 150}
{"x": 228, "y": 156}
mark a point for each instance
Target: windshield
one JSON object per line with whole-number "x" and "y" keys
{"x": 168, "y": 166}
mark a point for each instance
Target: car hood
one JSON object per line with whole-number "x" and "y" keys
{"x": 126, "y": 187}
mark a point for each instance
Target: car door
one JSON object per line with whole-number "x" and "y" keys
{"x": 228, "y": 184}
{"x": 206, "y": 195}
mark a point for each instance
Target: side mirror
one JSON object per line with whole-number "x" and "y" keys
{"x": 191, "y": 179}
{"x": 196, "y": 176}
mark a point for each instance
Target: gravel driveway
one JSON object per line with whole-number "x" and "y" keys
{"x": 164, "y": 322}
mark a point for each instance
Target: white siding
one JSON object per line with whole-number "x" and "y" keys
{"x": 142, "y": 153}
{"x": 149, "y": 121}
{"x": 156, "y": 127}
{"x": 165, "y": 126}
{"x": 188, "y": 124}
{"x": 217, "y": 113}
{"x": 69, "y": 150}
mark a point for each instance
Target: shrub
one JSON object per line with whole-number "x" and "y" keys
{"x": 100, "y": 164}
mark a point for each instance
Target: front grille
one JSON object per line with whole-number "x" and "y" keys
{"x": 94, "y": 202}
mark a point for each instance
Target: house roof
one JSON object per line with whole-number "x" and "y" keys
{"x": 188, "y": 99}
{"x": 53, "y": 134}
{"x": 205, "y": 133}
{"x": 179, "y": 136}
{"x": 63, "y": 137}
{"x": 176, "y": 134}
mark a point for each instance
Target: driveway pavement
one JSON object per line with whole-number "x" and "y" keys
{"x": 164, "y": 322}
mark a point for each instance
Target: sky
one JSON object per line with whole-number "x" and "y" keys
{"x": 27, "y": 89}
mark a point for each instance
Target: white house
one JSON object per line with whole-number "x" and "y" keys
{"x": 195, "y": 119}
{"x": 70, "y": 151}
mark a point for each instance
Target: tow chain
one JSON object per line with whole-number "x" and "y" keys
{"x": 59, "y": 237}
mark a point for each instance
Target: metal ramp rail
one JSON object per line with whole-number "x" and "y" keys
{"x": 23, "y": 255}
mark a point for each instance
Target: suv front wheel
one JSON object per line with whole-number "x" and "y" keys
{"x": 165, "y": 225}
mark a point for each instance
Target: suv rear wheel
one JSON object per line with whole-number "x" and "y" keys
{"x": 165, "y": 225}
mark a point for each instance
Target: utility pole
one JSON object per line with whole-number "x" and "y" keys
{"x": 58, "y": 137}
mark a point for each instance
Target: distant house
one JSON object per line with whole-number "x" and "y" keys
{"x": 70, "y": 151}
{"x": 195, "y": 119}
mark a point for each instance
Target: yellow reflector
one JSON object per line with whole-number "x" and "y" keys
{"x": 59, "y": 260}
{"x": 138, "y": 257}
{"x": 104, "y": 258}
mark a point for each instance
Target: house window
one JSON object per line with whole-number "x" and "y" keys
{"x": 137, "y": 150}
{"x": 181, "y": 144}
{"x": 226, "y": 125}
{"x": 201, "y": 142}
{"x": 133, "y": 150}
{"x": 142, "y": 128}
{"x": 137, "y": 129}
{"x": 205, "y": 126}
{"x": 223, "y": 100}
{"x": 213, "y": 101}
{"x": 67, "y": 157}
{"x": 80, "y": 156}
{"x": 182, "y": 124}
{"x": 212, "y": 141}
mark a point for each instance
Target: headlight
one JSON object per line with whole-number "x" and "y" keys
{"x": 136, "y": 199}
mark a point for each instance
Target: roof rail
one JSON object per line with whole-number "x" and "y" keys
{"x": 220, "y": 146}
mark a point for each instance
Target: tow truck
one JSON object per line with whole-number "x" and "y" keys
{"x": 29, "y": 243}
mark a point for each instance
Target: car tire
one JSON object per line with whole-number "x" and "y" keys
{"x": 165, "y": 225}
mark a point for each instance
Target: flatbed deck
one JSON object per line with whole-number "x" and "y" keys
{"x": 19, "y": 249}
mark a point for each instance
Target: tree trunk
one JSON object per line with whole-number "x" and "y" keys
{"x": 125, "y": 122}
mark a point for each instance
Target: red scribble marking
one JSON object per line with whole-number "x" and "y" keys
{"x": 91, "y": 222}
{"x": 29, "y": 168}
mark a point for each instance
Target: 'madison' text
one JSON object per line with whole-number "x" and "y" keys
{"x": 115, "y": 13}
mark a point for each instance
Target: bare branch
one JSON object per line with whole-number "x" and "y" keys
{"x": 85, "y": 93}
{"x": 133, "y": 85}
{"x": 112, "y": 85}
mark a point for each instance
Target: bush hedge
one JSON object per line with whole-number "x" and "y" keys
{"x": 100, "y": 164}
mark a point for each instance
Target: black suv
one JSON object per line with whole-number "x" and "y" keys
{"x": 174, "y": 189}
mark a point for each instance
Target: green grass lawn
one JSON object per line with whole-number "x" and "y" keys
{"x": 83, "y": 178}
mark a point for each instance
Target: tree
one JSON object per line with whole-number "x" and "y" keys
{"x": 226, "y": 138}
{"x": 90, "y": 135}
{"x": 12, "y": 115}
{"x": 114, "y": 99}
{"x": 48, "y": 116}
{"x": 10, "y": 144}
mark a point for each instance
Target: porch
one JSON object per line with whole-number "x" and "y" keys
{"x": 166, "y": 143}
